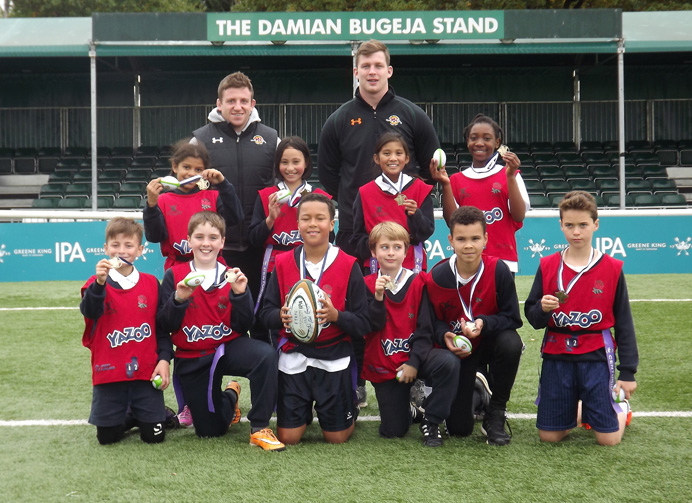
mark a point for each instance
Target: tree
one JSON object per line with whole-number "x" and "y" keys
{"x": 84, "y": 8}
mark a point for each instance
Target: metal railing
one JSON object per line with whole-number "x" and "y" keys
{"x": 521, "y": 121}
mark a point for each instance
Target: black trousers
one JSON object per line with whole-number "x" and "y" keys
{"x": 441, "y": 369}
{"x": 246, "y": 357}
{"x": 503, "y": 352}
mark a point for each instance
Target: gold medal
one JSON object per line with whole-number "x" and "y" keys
{"x": 400, "y": 198}
{"x": 562, "y": 297}
{"x": 390, "y": 285}
{"x": 116, "y": 262}
{"x": 231, "y": 277}
{"x": 502, "y": 150}
{"x": 203, "y": 184}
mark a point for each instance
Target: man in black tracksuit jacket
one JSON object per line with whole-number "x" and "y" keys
{"x": 347, "y": 144}
{"x": 242, "y": 148}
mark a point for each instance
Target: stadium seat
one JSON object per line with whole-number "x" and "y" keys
{"x": 599, "y": 201}
{"x": 556, "y": 187}
{"x": 602, "y": 171}
{"x": 632, "y": 171}
{"x": 52, "y": 190}
{"x": 518, "y": 147}
{"x": 581, "y": 184}
{"x": 6, "y": 158}
{"x": 607, "y": 184}
{"x": 60, "y": 177}
{"x": 665, "y": 145}
{"x": 25, "y": 161}
{"x": 551, "y": 172}
{"x": 654, "y": 171}
{"x": 159, "y": 172}
{"x": 673, "y": 200}
{"x": 638, "y": 146}
{"x": 570, "y": 159}
{"x": 663, "y": 185}
{"x": 613, "y": 200}
{"x": 73, "y": 203}
{"x": 143, "y": 164}
{"x": 47, "y": 204}
{"x": 146, "y": 151}
{"x": 82, "y": 177}
{"x": 112, "y": 175}
{"x": 647, "y": 200}
{"x": 47, "y": 164}
{"x": 646, "y": 158}
{"x": 591, "y": 146}
{"x": 534, "y": 187}
{"x": 556, "y": 198}
{"x": 121, "y": 153}
{"x": 108, "y": 189}
{"x": 528, "y": 172}
{"x": 78, "y": 190}
{"x": 127, "y": 203}
{"x": 668, "y": 157}
{"x": 67, "y": 165}
{"x": 138, "y": 176}
{"x": 638, "y": 186}
{"x": 132, "y": 189}
{"x": 595, "y": 158}
{"x": 75, "y": 153}
{"x": 541, "y": 147}
{"x": 573, "y": 172}
{"x": 564, "y": 146}
{"x": 539, "y": 201}
{"x": 463, "y": 159}
{"x": 545, "y": 158}
{"x": 686, "y": 158}
{"x": 611, "y": 147}
{"x": 103, "y": 203}
{"x": 117, "y": 163}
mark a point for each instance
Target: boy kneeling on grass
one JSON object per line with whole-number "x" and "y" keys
{"x": 400, "y": 347}
{"x": 208, "y": 325}
{"x": 320, "y": 372}
{"x": 578, "y": 295}
{"x": 128, "y": 351}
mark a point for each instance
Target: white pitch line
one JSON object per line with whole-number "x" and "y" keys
{"x": 518, "y": 416}
{"x": 57, "y": 308}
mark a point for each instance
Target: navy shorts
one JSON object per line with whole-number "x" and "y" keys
{"x": 563, "y": 384}
{"x": 110, "y": 401}
{"x": 331, "y": 393}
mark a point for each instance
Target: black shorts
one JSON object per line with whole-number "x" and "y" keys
{"x": 331, "y": 393}
{"x": 110, "y": 401}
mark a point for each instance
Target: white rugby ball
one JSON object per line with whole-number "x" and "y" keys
{"x": 169, "y": 182}
{"x": 303, "y": 301}
{"x": 193, "y": 279}
{"x": 463, "y": 342}
{"x": 618, "y": 397}
{"x": 441, "y": 157}
{"x": 283, "y": 195}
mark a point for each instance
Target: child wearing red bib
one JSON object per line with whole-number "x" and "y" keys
{"x": 473, "y": 295}
{"x": 167, "y": 214}
{"x": 578, "y": 296}
{"x": 400, "y": 347}
{"x": 319, "y": 372}
{"x": 128, "y": 351}
{"x": 208, "y": 320}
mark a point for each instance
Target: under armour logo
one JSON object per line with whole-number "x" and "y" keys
{"x": 356, "y": 121}
{"x": 219, "y": 139}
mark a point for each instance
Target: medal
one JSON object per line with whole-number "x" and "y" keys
{"x": 468, "y": 311}
{"x": 203, "y": 184}
{"x": 391, "y": 285}
{"x": 562, "y": 297}
{"x": 400, "y": 199}
{"x": 502, "y": 150}
{"x": 562, "y": 293}
{"x": 231, "y": 276}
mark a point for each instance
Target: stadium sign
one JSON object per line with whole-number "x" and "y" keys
{"x": 329, "y": 26}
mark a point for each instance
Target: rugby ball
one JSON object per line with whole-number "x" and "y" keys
{"x": 169, "y": 182}
{"x": 441, "y": 157}
{"x": 157, "y": 381}
{"x": 463, "y": 342}
{"x": 193, "y": 279}
{"x": 618, "y": 398}
{"x": 303, "y": 301}
{"x": 283, "y": 195}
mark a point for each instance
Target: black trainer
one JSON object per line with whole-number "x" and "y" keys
{"x": 481, "y": 397}
{"x": 417, "y": 413}
{"x": 431, "y": 433}
{"x": 493, "y": 427}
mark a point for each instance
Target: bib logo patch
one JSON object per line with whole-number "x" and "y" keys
{"x": 497, "y": 188}
{"x": 394, "y": 120}
{"x": 142, "y": 301}
{"x": 206, "y": 204}
{"x": 258, "y": 140}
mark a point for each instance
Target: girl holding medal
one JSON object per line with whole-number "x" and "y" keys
{"x": 167, "y": 214}
{"x": 578, "y": 296}
{"x": 492, "y": 183}
{"x": 274, "y": 225}
{"x": 474, "y": 295}
{"x": 397, "y": 197}
{"x": 321, "y": 372}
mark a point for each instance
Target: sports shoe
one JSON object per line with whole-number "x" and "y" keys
{"x": 431, "y": 433}
{"x": 362, "y": 396}
{"x": 235, "y": 386}
{"x": 266, "y": 440}
{"x": 493, "y": 427}
{"x": 481, "y": 397}
{"x": 171, "y": 421}
{"x": 418, "y": 393}
{"x": 185, "y": 417}
{"x": 417, "y": 413}
{"x": 626, "y": 403}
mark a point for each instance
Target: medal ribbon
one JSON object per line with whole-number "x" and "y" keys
{"x": 488, "y": 165}
{"x": 303, "y": 269}
{"x": 386, "y": 180}
{"x": 295, "y": 197}
{"x": 560, "y": 283}
{"x": 468, "y": 312}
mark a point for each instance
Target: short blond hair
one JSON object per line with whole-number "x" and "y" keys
{"x": 389, "y": 230}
